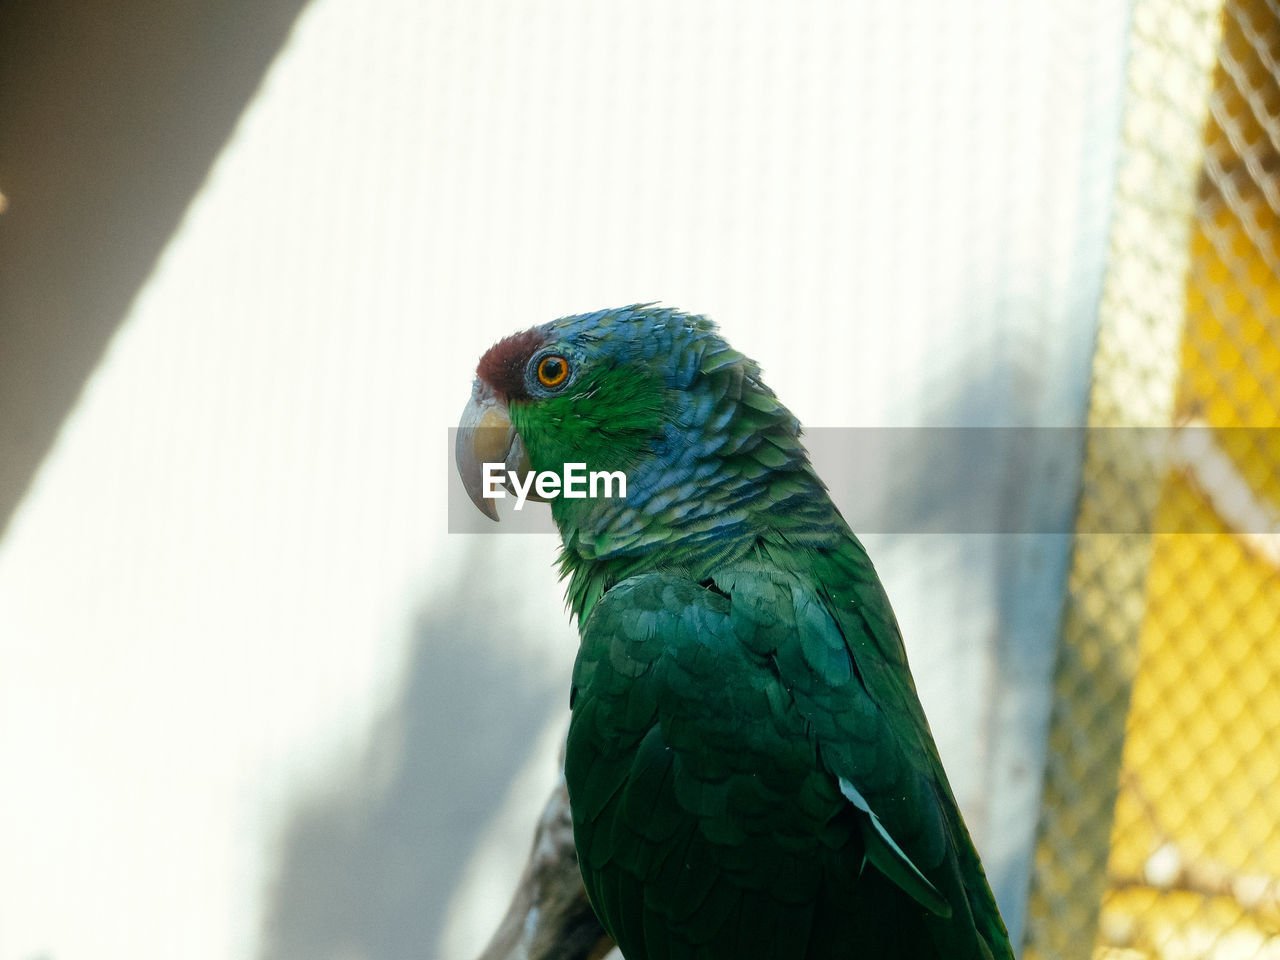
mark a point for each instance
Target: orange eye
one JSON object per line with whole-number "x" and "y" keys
{"x": 552, "y": 370}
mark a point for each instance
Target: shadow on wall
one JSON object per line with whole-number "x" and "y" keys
{"x": 112, "y": 116}
{"x": 369, "y": 869}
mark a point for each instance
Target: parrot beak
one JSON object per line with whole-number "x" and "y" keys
{"x": 485, "y": 435}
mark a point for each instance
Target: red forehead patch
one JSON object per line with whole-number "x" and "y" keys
{"x": 502, "y": 366}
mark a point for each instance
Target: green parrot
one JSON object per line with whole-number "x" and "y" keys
{"x": 750, "y": 771}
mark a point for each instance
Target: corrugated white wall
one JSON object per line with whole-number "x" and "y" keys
{"x": 255, "y": 700}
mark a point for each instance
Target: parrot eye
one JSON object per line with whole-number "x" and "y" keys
{"x": 553, "y": 370}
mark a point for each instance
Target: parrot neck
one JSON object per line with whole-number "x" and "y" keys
{"x": 690, "y": 528}
{"x": 713, "y": 462}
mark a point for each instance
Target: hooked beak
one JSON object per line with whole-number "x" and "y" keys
{"x": 485, "y": 435}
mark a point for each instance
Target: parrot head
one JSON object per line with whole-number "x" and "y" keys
{"x": 708, "y": 451}
{"x": 567, "y": 391}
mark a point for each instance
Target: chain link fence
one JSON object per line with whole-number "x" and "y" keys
{"x": 1160, "y": 830}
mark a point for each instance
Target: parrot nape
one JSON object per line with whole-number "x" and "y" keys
{"x": 750, "y": 771}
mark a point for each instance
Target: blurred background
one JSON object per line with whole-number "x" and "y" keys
{"x": 256, "y": 701}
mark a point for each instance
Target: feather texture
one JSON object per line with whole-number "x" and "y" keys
{"x": 749, "y": 768}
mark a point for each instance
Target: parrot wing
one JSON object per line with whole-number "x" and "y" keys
{"x": 734, "y": 781}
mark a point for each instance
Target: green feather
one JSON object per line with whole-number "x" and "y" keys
{"x": 883, "y": 851}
